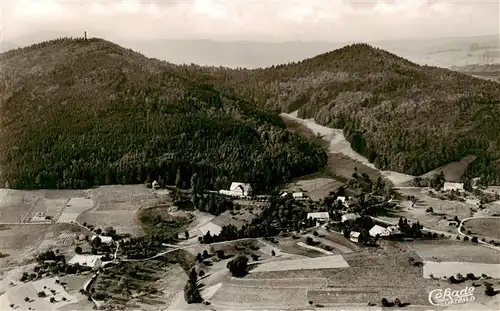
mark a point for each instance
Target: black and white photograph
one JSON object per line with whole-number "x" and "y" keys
{"x": 249, "y": 155}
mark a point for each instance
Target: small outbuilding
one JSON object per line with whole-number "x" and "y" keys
{"x": 298, "y": 195}
{"x": 354, "y": 236}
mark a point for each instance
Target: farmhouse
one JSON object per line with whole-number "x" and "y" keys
{"x": 319, "y": 216}
{"x": 298, "y": 195}
{"x": 238, "y": 189}
{"x": 379, "y": 230}
{"x": 448, "y": 186}
{"x": 349, "y": 216}
{"x": 104, "y": 239}
{"x": 394, "y": 230}
{"x": 354, "y": 236}
{"x": 93, "y": 261}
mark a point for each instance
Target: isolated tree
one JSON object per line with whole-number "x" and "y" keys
{"x": 273, "y": 253}
{"x": 78, "y": 250}
{"x": 220, "y": 254}
{"x": 238, "y": 267}
{"x": 186, "y": 234}
{"x": 199, "y": 258}
{"x": 192, "y": 293}
{"x": 437, "y": 181}
{"x": 178, "y": 179}
{"x": 193, "y": 276}
{"x": 474, "y": 240}
{"x": 26, "y": 299}
{"x": 205, "y": 254}
{"x": 194, "y": 181}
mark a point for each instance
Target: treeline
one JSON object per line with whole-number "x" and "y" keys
{"x": 111, "y": 121}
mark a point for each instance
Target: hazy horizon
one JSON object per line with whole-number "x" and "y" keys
{"x": 250, "y": 20}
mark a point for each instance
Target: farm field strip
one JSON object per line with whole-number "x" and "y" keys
{"x": 449, "y": 268}
{"x": 336, "y": 261}
{"x": 74, "y": 207}
{"x": 248, "y": 296}
{"x": 339, "y": 144}
{"x": 455, "y": 251}
{"x": 279, "y": 283}
{"x": 319, "y": 249}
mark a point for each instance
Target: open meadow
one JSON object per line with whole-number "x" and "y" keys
{"x": 449, "y": 250}
{"x": 487, "y": 228}
{"x": 22, "y": 242}
{"x": 442, "y": 215}
{"x": 116, "y": 206}
{"x": 315, "y": 187}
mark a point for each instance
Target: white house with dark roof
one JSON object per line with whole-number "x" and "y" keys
{"x": 238, "y": 189}
{"x": 298, "y": 195}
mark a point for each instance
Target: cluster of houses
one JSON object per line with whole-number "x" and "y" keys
{"x": 93, "y": 261}
{"x": 375, "y": 231}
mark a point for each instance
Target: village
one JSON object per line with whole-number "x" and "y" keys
{"x": 119, "y": 247}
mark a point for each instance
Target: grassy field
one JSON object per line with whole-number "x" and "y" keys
{"x": 464, "y": 251}
{"x": 453, "y": 171}
{"x": 17, "y": 206}
{"x": 327, "y": 262}
{"x": 117, "y": 206}
{"x": 22, "y": 242}
{"x": 443, "y": 210}
{"x": 488, "y": 228}
{"x": 315, "y": 187}
{"x": 449, "y": 268}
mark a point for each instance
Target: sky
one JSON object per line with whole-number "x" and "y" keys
{"x": 262, "y": 20}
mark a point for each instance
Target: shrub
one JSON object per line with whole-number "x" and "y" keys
{"x": 489, "y": 291}
{"x": 474, "y": 240}
{"x": 466, "y": 238}
{"x": 78, "y": 250}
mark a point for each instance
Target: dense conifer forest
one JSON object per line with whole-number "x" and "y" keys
{"x": 79, "y": 113}
{"x": 400, "y": 115}
{"x": 83, "y": 113}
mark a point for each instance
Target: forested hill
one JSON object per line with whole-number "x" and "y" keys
{"x": 77, "y": 113}
{"x": 402, "y": 116}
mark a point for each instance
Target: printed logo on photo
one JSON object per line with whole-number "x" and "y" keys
{"x": 440, "y": 297}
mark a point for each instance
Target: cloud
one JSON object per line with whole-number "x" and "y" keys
{"x": 332, "y": 20}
